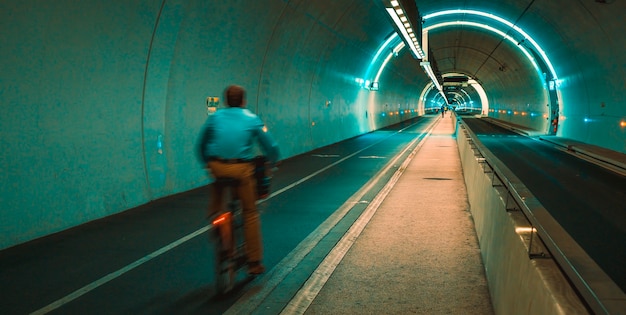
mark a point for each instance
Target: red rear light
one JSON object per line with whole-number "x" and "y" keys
{"x": 222, "y": 218}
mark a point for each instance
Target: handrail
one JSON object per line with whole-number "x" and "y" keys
{"x": 596, "y": 288}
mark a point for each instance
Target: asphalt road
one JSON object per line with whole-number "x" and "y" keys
{"x": 156, "y": 259}
{"x": 588, "y": 201}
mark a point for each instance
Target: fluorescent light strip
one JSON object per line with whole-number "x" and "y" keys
{"x": 431, "y": 74}
{"x": 411, "y": 39}
{"x": 433, "y": 78}
{"x": 405, "y": 34}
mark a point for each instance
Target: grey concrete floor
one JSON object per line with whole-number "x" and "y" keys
{"x": 419, "y": 253}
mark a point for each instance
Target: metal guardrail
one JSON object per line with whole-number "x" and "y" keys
{"x": 596, "y": 288}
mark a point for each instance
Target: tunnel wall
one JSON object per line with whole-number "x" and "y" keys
{"x": 102, "y": 101}
{"x": 588, "y": 49}
{"x": 514, "y": 87}
{"x": 520, "y": 98}
{"x": 72, "y": 80}
{"x": 585, "y": 43}
{"x": 517, "y": 283}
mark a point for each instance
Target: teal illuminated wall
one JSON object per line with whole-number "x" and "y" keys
{"x": 102, "y": 101}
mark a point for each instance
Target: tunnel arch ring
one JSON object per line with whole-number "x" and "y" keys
{"x": 392, "y": 40}
{"x": 508, "y": 24}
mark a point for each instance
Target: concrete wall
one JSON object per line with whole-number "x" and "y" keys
{"x": 517, "y": 283}
{"x": 516, "y": 93}
{"x": 102, "y": 101}
{"x": 585, "y": 42}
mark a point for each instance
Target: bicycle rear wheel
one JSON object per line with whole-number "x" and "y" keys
{"x": 225, "y": 269}
{"x": 225, "y": 273}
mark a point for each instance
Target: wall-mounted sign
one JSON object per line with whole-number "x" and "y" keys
{"x": 211, "y": 104}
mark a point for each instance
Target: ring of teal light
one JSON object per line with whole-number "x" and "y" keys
{"x": 394, "y": 38}
{"x": 494, "y": 17}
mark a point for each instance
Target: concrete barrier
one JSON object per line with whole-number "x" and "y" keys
{"x": 518, "y": 283}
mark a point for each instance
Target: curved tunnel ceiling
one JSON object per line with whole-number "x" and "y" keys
{"x": 491, "y": 50}
{"x": 477, "y": 44}
{"x": 146, "y": 68}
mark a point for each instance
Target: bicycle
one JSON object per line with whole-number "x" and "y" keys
{"x": 227, "y": 232}
{"x": 228, "y": 237}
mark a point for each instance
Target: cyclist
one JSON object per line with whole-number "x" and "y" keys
{"x": 226, "y": 146}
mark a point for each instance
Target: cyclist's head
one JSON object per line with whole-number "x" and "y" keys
{"x": 235, "y": 96}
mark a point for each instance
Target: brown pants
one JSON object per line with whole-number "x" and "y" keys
{"x": 244, "y": 172}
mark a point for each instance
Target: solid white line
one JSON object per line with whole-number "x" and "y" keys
{"x": 76, "y": 294}
{"x": 251, "y": 300}
{"x": 91, "y": 286}
{"x": 311, "y": 288}
{"x": 280, "y": 191}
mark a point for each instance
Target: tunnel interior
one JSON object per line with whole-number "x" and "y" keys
{"x": 102, "y": 102}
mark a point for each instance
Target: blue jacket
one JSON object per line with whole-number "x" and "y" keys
{"x": 230, "y": 133}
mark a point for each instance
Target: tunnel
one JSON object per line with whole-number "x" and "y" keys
{"x": 102, "y": 101}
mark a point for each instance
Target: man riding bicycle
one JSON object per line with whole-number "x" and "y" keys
{"x": 226, "y": 146}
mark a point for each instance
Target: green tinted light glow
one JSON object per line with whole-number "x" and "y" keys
{"x": 503, "y": 21}
{"x": 491, "y": 29}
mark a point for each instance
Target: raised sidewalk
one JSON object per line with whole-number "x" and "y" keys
{"x": 415, "y": 253}
{"x": 419, "y": 253}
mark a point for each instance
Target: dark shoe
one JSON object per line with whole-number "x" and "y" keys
{"x": 255, "y": 268}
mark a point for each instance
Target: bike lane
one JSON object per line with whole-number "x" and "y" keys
{"x": 168, "y": 267}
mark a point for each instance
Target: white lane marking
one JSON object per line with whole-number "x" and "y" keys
{"x": 76, "y": 294}
{"x": 325, "y": 155}
{"x": 263, "y": 286}
{"x": 92, "y": 286}
{"x": 311, "y": 288}
{"x": 371, "y": 157}
{"x": 280, "y": 191}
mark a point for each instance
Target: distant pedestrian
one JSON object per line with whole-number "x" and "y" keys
{"x": 443, "y": 111}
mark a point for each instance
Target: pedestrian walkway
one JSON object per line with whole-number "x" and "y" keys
{"x": 418, "y": 254}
